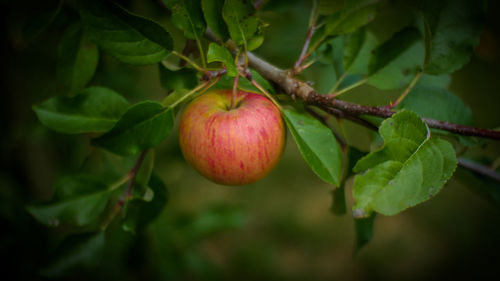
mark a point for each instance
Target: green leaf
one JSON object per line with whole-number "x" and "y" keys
{"x": 222, "y": 54}
{"x": 364, "y": 231}
{"x": 437, "y": 103}
{"x": 82, "y": 250}
{"x": 143, "y": 126}
{"x": 242, "y": 24}
{"x": 395, "y": 62}
{"x": 212, "y": 11}
{"x": 187, "y": 16}
{"x": 94, "y": 109}
{"x": 77, "y": 59}
{"x": 328, "y": 7}
{"x": 358, "y": 48}
{"x": 80, "y": 203}
{"x": 354, "y": 15}
{"x": 317, "y": 145}
{"x": 184, "y": 78}
{"x": 130, "y": 38}
{"x": 410, "y": 168}
{"x": 451, "y": 31}
{"x": 141, "y": 213}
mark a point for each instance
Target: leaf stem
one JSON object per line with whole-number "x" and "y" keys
{"x": 235, "y": 89}
{"x": 407, "y": 90}
{"x": 188, "y": 60}
{"x": 337, "y": 84}
{"x": 266, "y": 93}
{"x": 348, "y": 88}
{"x": 188, "y": 94}
{"x": 130, "y": 177}
{"x": 202, "y": 53}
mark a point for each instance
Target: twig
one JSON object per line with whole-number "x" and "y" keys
{"x": 303, "y": 56}
{"x": 407, "y": 90}
{"x": 306, "y": 93}
{"x": 480, "y": 169}
{"x": 192, "y": 63}
{"x": 128, "y": 192}
{"x": 350, "y": 87}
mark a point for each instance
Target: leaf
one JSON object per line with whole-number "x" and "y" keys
{"x": 72, "y": 186}
{"x": 143, "y": 126}
{"x": 77, "y": 59}
{"x": 80, "y": 203}
{"x": 437, "y": 103}
{"x": 358, "y": 48}
{"x": 222, "y": 54}
{"x": 395, "y": 62}
{"x": 37, "y": 24}
{"x": 82, "y": 250}
{"x": 242, "y": 24}
{"x": 94, "y": 109}
{"x": 451, "y": 31}
{"x": 409, "y": 169}
{"x": 364, "y": 231}
{"x": 184, "y": 78}
{"x": 328, "y": 7}
{"x": 187, "y": 16}
{"x": 212, "y": 11}
{"x": 140, "y": 213}
{"x": 130, "y": 38}
{"x": 146, "y": 169}
{"x": 317, "y": 145}
{"x": 354, "y": 15}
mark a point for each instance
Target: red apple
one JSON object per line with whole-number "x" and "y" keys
{"x": 232, "y": 146}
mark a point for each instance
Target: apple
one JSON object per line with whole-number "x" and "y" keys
{"x": 232, "y": 146}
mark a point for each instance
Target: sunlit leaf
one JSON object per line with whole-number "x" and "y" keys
{"x": 242, "y": 24}
{"x": 410, "y": 168}
{"x": 222, "y": 54}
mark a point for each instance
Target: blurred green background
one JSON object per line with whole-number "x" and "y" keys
{"x": 278, "y": 229}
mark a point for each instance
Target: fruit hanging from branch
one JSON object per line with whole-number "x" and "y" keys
{"x": 232, "y": 146}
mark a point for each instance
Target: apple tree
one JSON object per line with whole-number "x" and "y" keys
{"x": 417, "y": 132}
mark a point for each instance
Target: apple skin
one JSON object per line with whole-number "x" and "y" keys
{"x": 232, "y": 146}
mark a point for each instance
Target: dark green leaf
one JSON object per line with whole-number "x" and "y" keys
{"x": 94, "y": 109}
{"x": 143, "y": 126}
{"x": 140, "y": 213}
{"x": 184, "y": 78}
{"x": 317, "y": 145}
{"x": 364, "y": 231}
{"x": 77, "y": 59}
{"x": 354, "y": 15}
{"x": 222, "y": 54}
{"x": 242, "y": 24}
{"x": 409, "y": 169}
{"x": 396, "y": 62}
{"x": 338, "y": 206}
{"x": 72, "y": 186}
{"x": 186, "y": 15}
{"x": 146, "y": 169}
{"x": 37, "y": 24}
{"x": 212, "y": 10}
{"x": 451, "y": 31}
{"x": 130, "y": 38}
{"x": 80, "y": 203}
{"x": 437, "y": 103}
{"x": 83, "y": 250}
{"x": 328, "y": 7}
{"x": 358, "y": 48}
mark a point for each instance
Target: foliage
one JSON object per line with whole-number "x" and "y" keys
{"x": 407, "y": 166}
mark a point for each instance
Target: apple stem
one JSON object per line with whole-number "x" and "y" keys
{"x": 235, "y": 88}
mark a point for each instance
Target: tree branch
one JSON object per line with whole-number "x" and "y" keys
{"x": 306, "y": 93}
{"x": 478, "y": 168}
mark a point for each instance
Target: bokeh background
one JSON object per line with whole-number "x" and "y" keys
{"x": 278, "y": 229}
